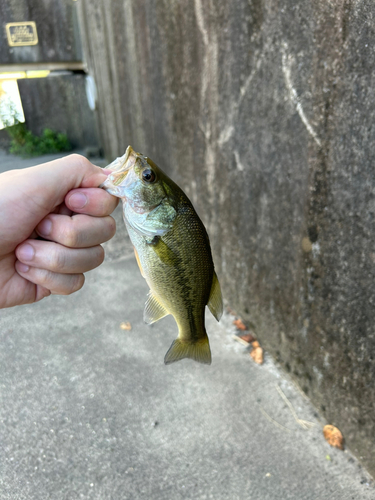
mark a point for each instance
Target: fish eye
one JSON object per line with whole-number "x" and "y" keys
{"x": 148, "y": 175}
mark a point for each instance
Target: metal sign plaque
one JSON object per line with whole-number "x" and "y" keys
{"x": 21, "y": 34}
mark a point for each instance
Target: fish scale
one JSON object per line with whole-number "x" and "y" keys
{"x": 172, "y": 249}
{"x": 192, "y": 274}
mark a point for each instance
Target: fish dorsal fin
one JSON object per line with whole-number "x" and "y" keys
{"x": 153, "y": 310}
{"x": 215, "y": 302}
{"x": 198, "y": 351}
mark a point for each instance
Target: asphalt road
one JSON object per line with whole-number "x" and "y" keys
{"x": 88, "y": 410}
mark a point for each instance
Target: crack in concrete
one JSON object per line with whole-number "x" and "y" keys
{"x": 286, "y": 67}
{"x": 229, "y": 130}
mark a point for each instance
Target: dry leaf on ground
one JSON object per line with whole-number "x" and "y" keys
{"x": 239, "y": 324}
{"x": 125, "y": 326}
{"x": 333, "y": 436}
{"x": 257, "y": 353}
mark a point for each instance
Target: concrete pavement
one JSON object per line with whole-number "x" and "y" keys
{"x": 88, "y": 410}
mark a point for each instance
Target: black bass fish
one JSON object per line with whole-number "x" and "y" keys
{"x": 172, "y": 250}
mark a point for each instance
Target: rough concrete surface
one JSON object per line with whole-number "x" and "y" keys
{"x": 57, "y": 30}
{"x": 263, "y": 111}
{"x": 88, "y": 410}
{"x": 59, "y": 102}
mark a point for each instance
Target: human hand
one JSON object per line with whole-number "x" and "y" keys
{"x": 59, "y": 201}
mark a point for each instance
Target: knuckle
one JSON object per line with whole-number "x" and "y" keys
{"x": 81, "y": 160}
{"x": 43, "y": 277}
{"x": 76, "y": 283}
{"x": 71, "y": 237}
{"x": 58, "y": 260}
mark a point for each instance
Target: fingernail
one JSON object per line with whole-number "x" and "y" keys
{"x": 106, "y": 172}
{"x": 22, "y": 268}
{"x": 45, "y": 227}
{"x": 77, "y": 200}
{"x": 25, "y": 252}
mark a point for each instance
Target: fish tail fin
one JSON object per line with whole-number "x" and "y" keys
{"x": 199, "y": 350}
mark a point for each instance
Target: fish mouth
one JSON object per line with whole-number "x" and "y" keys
{"x": 119, "y": 170}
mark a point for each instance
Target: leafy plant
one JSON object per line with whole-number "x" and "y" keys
{"x": 25, "y": 143}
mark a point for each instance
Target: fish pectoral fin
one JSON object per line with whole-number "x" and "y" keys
{"x": 153, "y": 310}
{"x": 215, "y": 302}
{"x": 197, "y": 350}
{"x": 163, "y": 251}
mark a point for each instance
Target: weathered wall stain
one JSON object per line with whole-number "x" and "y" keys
{"x": 263, "y": 111}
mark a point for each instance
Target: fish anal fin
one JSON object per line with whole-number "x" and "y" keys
{"x": 198, "y": 351}
{"x": 153, "y": 310}
{"x": 215, "y": 302}
{"x": 138, "y": 261}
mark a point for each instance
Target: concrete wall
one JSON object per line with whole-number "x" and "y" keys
{"x": 57, "y": 28}
{"x": 59, "y": 102}
{"x": 263, "y": 111}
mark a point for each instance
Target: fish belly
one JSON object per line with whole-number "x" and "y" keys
{"x": 178, "y": 268}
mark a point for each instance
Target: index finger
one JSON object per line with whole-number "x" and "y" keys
{"x": 36, "y": 191}
{"x": 91, "y": 201}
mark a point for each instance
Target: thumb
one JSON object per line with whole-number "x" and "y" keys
{"x": 28, "y": 195}
{"x": 48, "y": 183}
